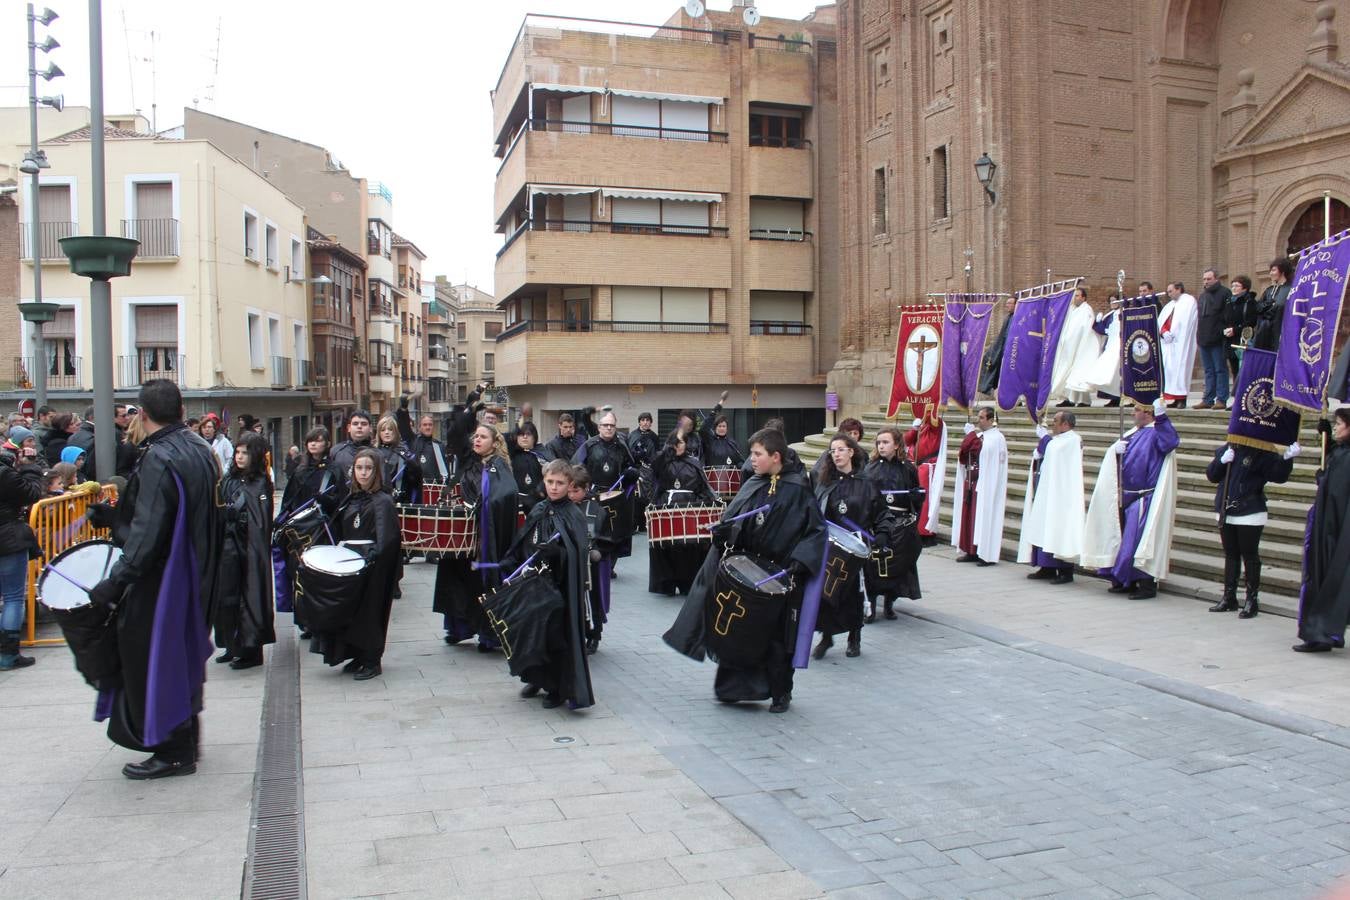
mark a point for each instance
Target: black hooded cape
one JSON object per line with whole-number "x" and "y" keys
{"x": 243, "y": 617}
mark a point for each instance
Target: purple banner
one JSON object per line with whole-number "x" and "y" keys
{"x": 1257, "y": 420}
{"x": 1029, "y": 354}
{"x": 963, "y": 340}
{"x": 1308, "y": 331}
{"x": 1141, "y": 365}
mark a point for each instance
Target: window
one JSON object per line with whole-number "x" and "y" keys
{"x": 941, "y": 209}
{"x": 772, "y": 126}
{"x": 274, "y": 336}
{"x": 777, "y": 312}
{"x": 255, "y": 341}
{"x": 491, "y": 330}
{"x": 58, "y": 345}
{"x": 882, "y": 98}
{"x": 301, "y": 345}
{"x": 576, "y": 308}
{"x": 250, "y": 236}
{"x": 488, "y": 360}
{"x": 461, "y": 332}
{"x": 879, "y": 203}
{"x": 56, "y": 222}
{"x": 297, "y": 258}
{"x": 270, "y": 232}
{"x": 777, "y": 220}
{"x": 640, "y": 308}
{"x": 631, "y": 216}
{"x": 379, "y": 239}
{"x": 381, "y": 358}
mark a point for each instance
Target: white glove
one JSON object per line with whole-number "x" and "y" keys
{"x": 918, "y": 423}
{"x": 1035, "y": 454}
{"x": 1118, "y": 448}
{"x": 1041, "y": 431}
{"x": 1228, "y": 456}
{"x": 969, "y": 428}
{"x": 1159, "y": 407}
{"x": 1169, "y": 337}
{"x": 1292, "y": 450}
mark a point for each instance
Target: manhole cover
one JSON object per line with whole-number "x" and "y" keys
{"x": 563, "y": 740}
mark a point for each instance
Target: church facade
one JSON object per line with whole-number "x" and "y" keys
{"x": 1160, "y": 137}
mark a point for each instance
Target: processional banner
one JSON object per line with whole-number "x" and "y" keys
{"x": 1141, "y": 373}
{"x": 963, "y": 338}
{"x": 1308, "y": 330}
{"x": 917, "y": 378}
{"x": 1257, "y": 420}
{"x": 1029, "y": 355}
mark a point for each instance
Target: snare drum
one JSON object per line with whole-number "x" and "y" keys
{"x": 671, "y": 525}
{"x": 620, "y": 508}
{"x": 843, "y": 561}
{"x": 452, "y": 530}
{"x": 329, "y": 587}
{"x": 433, "y": 493}
{"x": 743, "y": 612}
{"x": 724, "y": 480}
{"x": 90, "y": 631}
{"x": 521, "y": 613}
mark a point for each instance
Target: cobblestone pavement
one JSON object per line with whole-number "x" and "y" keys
{"x": 950, "y": 760}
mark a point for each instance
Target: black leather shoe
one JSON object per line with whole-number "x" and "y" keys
{"x": 365, "y": 673}
{"x": 248, "y": 662}
{"x": 1144, "y": 592}
{"x": 968, "y": 557}
{"x": 983, "y": 563}
{"x": 854, "y": 649}
{"x": 1041, "y": 573}
{"x": 1312, "y": 647}
{"x": 781, "y": 704}
{"x": 823, "y": 647}
{"x": 592, "y": 645}
{"x": 552, "y": 701}
{"x": 225, "y": 657}
{"x": 351, "y": 667}
{"x": 1227, "y": 603}
{"x": 890, "y": 611}
{"x": 1120, "y": 589}
{"x": 529, "y": 690}
{"x": 1063, "y": 576}
{"x": 154, "y": 767}
{"x": 484, "y": 648}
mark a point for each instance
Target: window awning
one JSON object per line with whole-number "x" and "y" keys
{"x": 658, "y": 95}
{"x": 645, "y": 194}
{"x": 560, "y": 190}
{"x": 568, "y": 88}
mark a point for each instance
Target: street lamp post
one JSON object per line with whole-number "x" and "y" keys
{"x": 33, "y": 163}
{"x": 37, "y": 313}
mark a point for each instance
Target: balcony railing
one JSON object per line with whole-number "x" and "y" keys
{"x": 791, "y": 45}
{"x": 66, "y": 376}
{"x": 158, "y": 237}
{"x": 640, "y": 131}
{"x": 438, "y": 351}
{"x": 558, "y": 326}
{"x": 765, "y": 326}
{"x": 592, "y": 226}
{"x": 382, "y": 308}
{"x": 134, "y": 371}
{"x": 790, "y": 143}
{"x": 779, "y": 234}
{"x": 49, "y": 237}
{"x": 304, "y": 373}
{"x": 281, "y": 372}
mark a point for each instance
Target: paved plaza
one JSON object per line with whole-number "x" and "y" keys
{"x": 1001, "y": 739}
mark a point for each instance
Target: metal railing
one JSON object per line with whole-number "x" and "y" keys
{"x": 132, "y": 371}
{"x": 779, "y": 234}
{"x": 439, "y": 351}
{"x": 660, "y": 132}
{"x": 304, "y": 373}
{"x": 766, "y": 326}
{"x": 560, "y": 326}
{"x": 591, "y": 226}
{"x": 158, "y": 237}
{"x": 66, "y": 376}
{"x": 382, "y": 308}
{"x": 791, "y": 45}
{"x": 789, "y": 143}
{"x": 281, "y": 372}
{"x": 49, "y": 239}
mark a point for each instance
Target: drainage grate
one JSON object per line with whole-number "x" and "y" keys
{"x": 275, "y": 869}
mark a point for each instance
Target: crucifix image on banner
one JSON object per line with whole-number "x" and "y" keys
{"x": 917, "y": 379}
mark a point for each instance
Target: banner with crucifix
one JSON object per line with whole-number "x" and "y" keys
{"x": 1033, "y": 338}
{"x": 963, "y": 338}
{"x": 917, "y": 377}
{"x": 1308, "y": 330}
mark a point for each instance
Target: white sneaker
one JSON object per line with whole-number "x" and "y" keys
{"x": 1228, "y": 404}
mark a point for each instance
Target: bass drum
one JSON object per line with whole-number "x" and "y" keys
{"x": 521, "y": 614}
{"x": 743, "y": 612}
{"x": 329, "y": 587}
{"x": 90, "y": 631}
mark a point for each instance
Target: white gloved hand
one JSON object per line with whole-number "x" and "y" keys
{"x": 1169, "y": 338}
{"x": 1160, "y": 407}
{"x": 1228, "y": 456}
{"x": 918, "y": 423}
{"x": 1292, "y": 450}
{"x": 1035, "y": 455}
{"x": 969, "y": 428}
{"x": 1041, "y": 431}
{"x": 1118, "y": 448}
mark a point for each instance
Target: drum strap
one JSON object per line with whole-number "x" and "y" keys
{"x": 327, "y": 481}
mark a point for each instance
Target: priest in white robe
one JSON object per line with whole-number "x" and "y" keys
{"x": 981, "y": 491}
{"x": 1054, "y": 518}
{"x": 1078, "y": 345}
{"x": 1176, "y": 329}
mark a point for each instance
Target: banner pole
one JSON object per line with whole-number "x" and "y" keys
{"x": 1120, "y": 329}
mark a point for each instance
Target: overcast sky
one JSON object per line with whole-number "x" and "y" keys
{"x": 396, "y": 90}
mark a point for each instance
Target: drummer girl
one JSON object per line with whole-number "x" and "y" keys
{"x": 368, "y": 514}
{"x": 679, "y": 482}
{"x": 847, "y": 499}
{"x": 527, "y": 465}
{"x": 402, "y": 471}
{"x": 895, "y": 572}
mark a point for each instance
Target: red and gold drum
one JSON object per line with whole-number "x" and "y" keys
{"x": 451, "y": 530}
{"x": 682, "y": 524}
{"x": 724, "y": 480}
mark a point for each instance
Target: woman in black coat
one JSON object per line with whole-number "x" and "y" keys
{"x": 679, "y": 482}
{"x": 892, "y": 571}
{"x": 314, "y": 475}
{"x": 1242, "y": 474}
{"x": 368, "y": 514}
{"x": 402, "y": 471}
{"x": 243, "y": 616}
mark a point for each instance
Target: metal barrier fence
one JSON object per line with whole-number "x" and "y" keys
{"x": 59, "y": 523}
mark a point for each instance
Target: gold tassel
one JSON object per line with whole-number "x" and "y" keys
{"x": 773, "y": 484}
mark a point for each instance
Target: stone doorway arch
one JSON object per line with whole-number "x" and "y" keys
{"x": 1308, "y": 224}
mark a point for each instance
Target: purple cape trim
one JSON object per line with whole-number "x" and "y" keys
{"x": 806, "y": 622}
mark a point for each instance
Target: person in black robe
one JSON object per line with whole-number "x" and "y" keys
{"x": 243, "y": 617}
{"x": 367, "y": 514}
{"x": 790, "y": 534}
{"x": 565, "y": 443}
{"x": 555, "y": 530}
{"x": 680, "y": 481}
{"x": 461, "y": 422}
{"x": 490, "y": 490}
{"x": 431, "y": 455}
{"x": 852, "y": 501}
{"x": 527, "y": 465}
{"x": 359, "y": 436}
{"x": 315, "y": 477}
{"x": 719, "y": 447}
{"x": 993, "y": 356}
{"x": 1267, "y": 315}
{"x": 1324, "y": 608}
{"x": 163, "y": 589}
{"x": 644, "y": 444}
{"x": 600, "y": 553}
{"x": 893, "y": 571}
{"x": 611, "y": 467}
{"x": 20, "y": 487}
{"x": 402, "y": 472}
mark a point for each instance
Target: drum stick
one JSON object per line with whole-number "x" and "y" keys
{"x": 51, "y": 568}
{"x": 526, "y": 564}
{"x": 745, "y": 515}
{"x": 776, "y": 575}
{"x": 858, "y": 528}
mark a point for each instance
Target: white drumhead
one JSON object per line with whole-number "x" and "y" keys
{"x": 66, "y": 581}
{"x": 847, "y": 541}
{"x": 333, "y": 560}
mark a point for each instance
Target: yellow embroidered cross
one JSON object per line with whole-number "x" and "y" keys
{"x": 883, "y": 558}
{"x": 836, "y": 573}
{"x": 500, "y": 626}
{"x": 729, "y": 608}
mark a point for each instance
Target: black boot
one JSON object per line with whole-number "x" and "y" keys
{"x": 1227, "y": 603}
{"x": 823, "y": 647}
{"x": 890, "y": 608}
{"x": 10, "y": 657}
{"x": 854, "y": 643}
{"x": 1250, "y": 604}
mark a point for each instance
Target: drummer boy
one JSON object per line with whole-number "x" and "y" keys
{"x": 597, "y": 527}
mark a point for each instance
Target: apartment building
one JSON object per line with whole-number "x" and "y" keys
{"x": 411, "y": 354}
{"x": 479, "y": 325}
{"x": 210, "y": 301}
{"x": 336, "y": 310}
{"x": 667, "y": 205}
{"x": 440, "y": 311}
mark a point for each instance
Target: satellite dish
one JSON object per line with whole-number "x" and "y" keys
{"x": 694, "y": 9}
{"x": 751, "y": 16}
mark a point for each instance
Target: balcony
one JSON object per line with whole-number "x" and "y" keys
{"x": 49, "y": 239}
{"x": 304, "y": 373}
{"x": 65, "y": 378}
{"x": 574, "y": 326}
{"x": 281, "y": 372}
{"x": 780, "y": 265}
{"x": 134, "y": 371}
{"x": 765, "y": 326}
{"x": 779, "y": 234}
{"x": 607, "y": 352}
{"x": 781, "y": 170}
{"x": 158, "y": 237}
